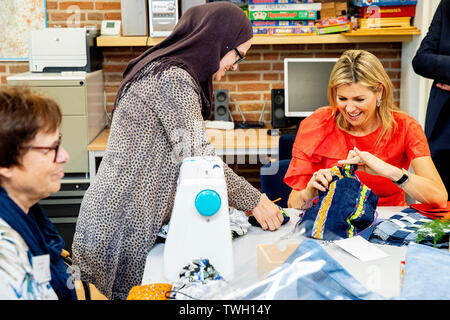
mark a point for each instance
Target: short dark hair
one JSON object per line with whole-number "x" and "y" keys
{"x": 23, "y": 113}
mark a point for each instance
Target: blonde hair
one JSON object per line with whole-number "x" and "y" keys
{"x": 362, "y": 67}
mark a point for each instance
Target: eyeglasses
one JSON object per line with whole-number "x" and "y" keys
{"x": 241, "y": 57}
{"x": 56, "y": 148}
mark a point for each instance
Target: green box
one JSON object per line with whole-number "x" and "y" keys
{"x": 283, "y": 15}
{"x": 333, "y": 29}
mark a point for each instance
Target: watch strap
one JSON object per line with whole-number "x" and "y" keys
{"x": 403, "y": 178}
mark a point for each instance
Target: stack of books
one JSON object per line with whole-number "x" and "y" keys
{"x": 386, "y": 14}
{"x": 283, "y": 17}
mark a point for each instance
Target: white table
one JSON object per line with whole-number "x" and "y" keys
{"x": 381, "y": 276}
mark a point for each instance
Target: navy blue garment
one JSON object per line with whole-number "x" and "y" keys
{"x": 345, "y": 209}
{"x": 41, "y": 237}
{"x": 432, "y": 60}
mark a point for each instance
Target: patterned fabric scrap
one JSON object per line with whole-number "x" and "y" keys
{"x": 199, "y": 280}
{"x": 154, "y": 291}
{"x": 239, "y": 223}
{"x": 343, "y": 211}
{"x": 401, "y": 229}
{"x": 199, "y": 270}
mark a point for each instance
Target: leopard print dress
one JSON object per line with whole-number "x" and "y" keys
{"x": 156, "y": 124}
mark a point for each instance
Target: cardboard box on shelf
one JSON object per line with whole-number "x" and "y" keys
{"x": 328, "y": 10}
{"x": 341, "y": 8}
{"x": 332, "y": 9}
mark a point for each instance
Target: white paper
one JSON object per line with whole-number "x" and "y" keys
{"x": 361, "y": 248}
{"x": 41, "y": 268}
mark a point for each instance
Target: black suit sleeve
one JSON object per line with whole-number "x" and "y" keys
{"x": 428, "y": 62}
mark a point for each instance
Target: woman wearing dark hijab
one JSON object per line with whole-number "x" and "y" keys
{"x": 158, "y": 112}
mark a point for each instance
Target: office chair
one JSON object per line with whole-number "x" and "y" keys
{"x": 285, "y": 144}
{"x": 68, "y": 260}
{"x": 272, "y": 173}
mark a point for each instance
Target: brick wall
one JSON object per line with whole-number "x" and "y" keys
{"x": 261, "y": 71}
{"x": 249, "y": 87}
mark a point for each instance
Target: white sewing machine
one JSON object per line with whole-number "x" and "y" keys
{"x": 199, "y": 227}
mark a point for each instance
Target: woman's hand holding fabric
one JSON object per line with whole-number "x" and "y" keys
{"x": 319, "y": 181}
{"x": 268, "y": 214}
{"x": 371, "y": 164}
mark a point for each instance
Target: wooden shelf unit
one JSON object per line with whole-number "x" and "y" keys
{"x": 359, "y": 36}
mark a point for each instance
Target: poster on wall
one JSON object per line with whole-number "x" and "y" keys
{"x": 17, "y": 19}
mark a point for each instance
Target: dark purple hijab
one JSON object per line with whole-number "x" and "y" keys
{"x": 203, "y": 35}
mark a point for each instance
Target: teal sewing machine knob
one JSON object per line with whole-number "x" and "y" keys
{"x": 207, "y": 202}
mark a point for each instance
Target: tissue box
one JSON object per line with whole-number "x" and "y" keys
{"x": 270, "y": 256}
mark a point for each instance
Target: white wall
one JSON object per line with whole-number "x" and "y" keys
{"x": 414, "y": 89}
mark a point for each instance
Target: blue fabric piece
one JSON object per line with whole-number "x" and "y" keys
{"x": 427, "y": 273}
{"x": 400, "y": 229}
{"x": 41, "y": 237}
{"x": 343, "y": 204}
{"x": 310, "y": 273}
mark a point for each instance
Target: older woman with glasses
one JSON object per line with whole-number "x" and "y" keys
{"x": 31, "y": 159}
{"x": 157, "y": 121}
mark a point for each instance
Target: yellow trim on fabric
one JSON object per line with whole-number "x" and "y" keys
{"x": 358, "y": 212}
{"x": 337, "y": 172}
{"x": 319, "y": 223}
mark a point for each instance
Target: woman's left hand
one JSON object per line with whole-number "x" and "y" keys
{"x": 367, "y": 162}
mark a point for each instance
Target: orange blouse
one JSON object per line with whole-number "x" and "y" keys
{"x": 320, "y": 144}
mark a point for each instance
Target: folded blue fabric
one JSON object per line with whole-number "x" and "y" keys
{"x": 400, "y": 229}
{"x": 309, "y": 273}
{"x": 427, "y": 273}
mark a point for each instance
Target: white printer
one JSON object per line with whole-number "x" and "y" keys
{"x": 64, "y": 49}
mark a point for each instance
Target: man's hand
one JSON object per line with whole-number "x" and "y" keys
{"x": 443, "y": 86}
